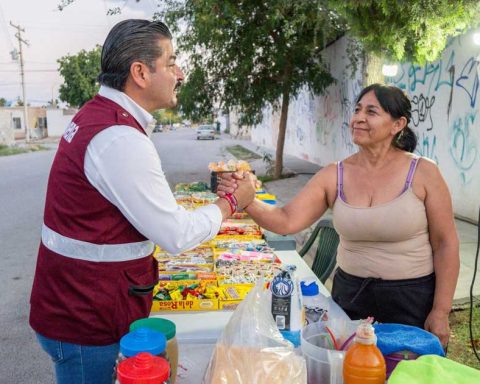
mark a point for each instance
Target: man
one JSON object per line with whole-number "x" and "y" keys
{"x": 107, "y": 203}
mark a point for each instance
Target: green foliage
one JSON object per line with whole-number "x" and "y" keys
{"x": 246, "y": 54}
{"x": 413, "y": 30}
{"x": 3, "y": 102}
{"x": 80, "y": 74}
{"x": 194, "y": 98}
{"x": 166, "y": 116}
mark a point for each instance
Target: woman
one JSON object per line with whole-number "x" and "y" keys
{"x": 398, "y": 257}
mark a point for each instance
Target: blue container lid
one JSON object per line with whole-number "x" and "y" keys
{"x": 310, "y": 289}
{"x": 143, "y": 340}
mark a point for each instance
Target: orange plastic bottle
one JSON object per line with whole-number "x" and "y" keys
{"x": 364, "y": 363}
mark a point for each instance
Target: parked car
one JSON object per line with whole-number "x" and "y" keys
{"x": 206, "y": 132}
{"x": 158, "y": 128}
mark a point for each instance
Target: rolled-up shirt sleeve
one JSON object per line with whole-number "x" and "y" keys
{"x": 124, "y": 166}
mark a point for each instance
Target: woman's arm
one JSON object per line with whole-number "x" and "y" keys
{"x": 300, "y": 212}
{"x": 445, "y": 246}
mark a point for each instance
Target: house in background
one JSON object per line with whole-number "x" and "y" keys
{"x": 7, "y": 136}
{"x": 37, "y": 121}
{"x": 42, "y": 122}
{"x": 58, "y": 120}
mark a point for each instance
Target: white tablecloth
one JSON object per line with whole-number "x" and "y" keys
{"x": 197, "y": 332}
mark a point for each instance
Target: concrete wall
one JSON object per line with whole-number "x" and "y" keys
{"x": 7, "y": 136}
{"x": 445, "y": 117}
{"x": 58, "y": 120}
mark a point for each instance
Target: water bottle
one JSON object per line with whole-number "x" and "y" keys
{"x": 313, "y": 302}
{"x": 364, "y": 363}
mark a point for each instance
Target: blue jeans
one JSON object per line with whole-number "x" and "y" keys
{"x": 81, "y": 364}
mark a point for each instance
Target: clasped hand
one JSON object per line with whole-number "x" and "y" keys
{"x": 241, "y": 184}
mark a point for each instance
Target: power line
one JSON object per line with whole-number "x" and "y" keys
{"x": 30, "y": 70}
{"x": 5, "y": 29}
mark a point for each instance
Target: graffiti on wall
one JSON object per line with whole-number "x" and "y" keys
{"x": 327, "y": 118}
{"x": 462, "y": 148}
{"x": 437, "y": 90}
{"x": 422, "y": 111}
{"x": 427, "y": 146}
{"x": 349, "y": 92}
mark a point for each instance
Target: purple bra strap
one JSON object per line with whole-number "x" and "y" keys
{"x": 340, "y": 181}
{"x": 411, "y": 171}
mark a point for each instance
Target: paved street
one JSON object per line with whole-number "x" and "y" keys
{"x": 22, "y": 193}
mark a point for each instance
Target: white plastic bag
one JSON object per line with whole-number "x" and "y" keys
{"x": 252, "y": 350}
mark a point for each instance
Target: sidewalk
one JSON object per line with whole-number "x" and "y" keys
{"x": 285, "y": 189}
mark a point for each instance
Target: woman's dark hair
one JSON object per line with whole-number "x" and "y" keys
{"x": 129, "y": 41}
{"x": 397, "y": 104}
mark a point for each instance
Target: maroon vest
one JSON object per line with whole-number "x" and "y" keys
{"x": 79, "y": 301}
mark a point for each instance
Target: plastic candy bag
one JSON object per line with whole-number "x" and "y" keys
{"x": 252, "y": 350}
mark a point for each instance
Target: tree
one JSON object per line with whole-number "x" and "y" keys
{"x": 3, "y": 102}
{"x": 195, "y": 100}
{"x": 80, "y": 74}
{"x": 248, "y": 54}
{"x": 414, "y": 30}
{"x": 166, "y": 116}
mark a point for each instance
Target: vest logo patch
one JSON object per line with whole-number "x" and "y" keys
{"x": 71, "y": 130}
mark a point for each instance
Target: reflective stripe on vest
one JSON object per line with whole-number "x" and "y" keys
{"x": 84, "y": 250}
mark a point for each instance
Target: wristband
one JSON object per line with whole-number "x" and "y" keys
{"x": 232, "y": 201}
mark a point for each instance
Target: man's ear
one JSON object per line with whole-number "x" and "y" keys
{"x": 140, "y": 74}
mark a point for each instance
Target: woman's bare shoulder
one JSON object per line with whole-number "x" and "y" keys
{"x": 427, "y": 167}
{"x": 327, "y": 172}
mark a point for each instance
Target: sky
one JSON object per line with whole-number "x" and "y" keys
{"x": 52, "y": 34}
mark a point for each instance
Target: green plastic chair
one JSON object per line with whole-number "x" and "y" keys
{"x": 326, "y": 253}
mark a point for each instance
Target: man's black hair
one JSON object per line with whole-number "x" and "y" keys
{"x": 129, "y": 41}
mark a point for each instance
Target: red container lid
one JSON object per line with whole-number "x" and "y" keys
{"x": 143, "y": 368}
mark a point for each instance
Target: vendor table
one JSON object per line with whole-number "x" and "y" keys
{"x": 197, "y": 332}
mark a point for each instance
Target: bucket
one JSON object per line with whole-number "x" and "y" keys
{"x": 324, "y": 364}
{"x": 393, "y": 359}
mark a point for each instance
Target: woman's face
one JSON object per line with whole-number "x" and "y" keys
{"x": 371, "y": 124}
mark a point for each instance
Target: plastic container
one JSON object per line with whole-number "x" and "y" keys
{"x": 364, "y": 363}
{"x": 169, "y": 329}
{"x": 287, "y": 307}
{"x": 313, "y": 302}
{"x": 324, "y": 364}
{"x": 393, "y": 359}
{"x": 143, "y": 340}
{"x": 143, "y": 368}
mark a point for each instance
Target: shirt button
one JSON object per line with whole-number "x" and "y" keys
{"x": 124, "y": 114}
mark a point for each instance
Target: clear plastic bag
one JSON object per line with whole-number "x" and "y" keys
{"x": 252, "y": 350}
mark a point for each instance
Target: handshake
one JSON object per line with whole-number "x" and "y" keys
{"x": 240, "y": 184}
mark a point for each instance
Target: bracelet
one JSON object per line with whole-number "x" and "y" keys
{"x": 232, "y": 201}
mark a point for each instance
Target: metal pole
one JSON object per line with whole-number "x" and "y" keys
{"x": 22, "y": 74}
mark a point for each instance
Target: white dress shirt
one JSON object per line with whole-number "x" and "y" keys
{"x": 124, "y": 166}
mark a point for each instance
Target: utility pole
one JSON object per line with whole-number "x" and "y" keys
{"x": 21, "y": 41}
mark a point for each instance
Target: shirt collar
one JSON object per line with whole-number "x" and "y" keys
{"x": 144, "y": 118}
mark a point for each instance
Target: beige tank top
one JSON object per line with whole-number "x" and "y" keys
{"x": 388, "y": 241}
